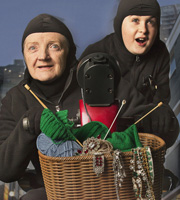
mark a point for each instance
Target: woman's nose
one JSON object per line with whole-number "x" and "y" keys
{"x": 43, "y": 54}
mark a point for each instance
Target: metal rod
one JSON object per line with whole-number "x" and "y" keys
{"x": 28, "y": 88}
{"x": 122, "y": 104}
{"x": 159, "y": 104}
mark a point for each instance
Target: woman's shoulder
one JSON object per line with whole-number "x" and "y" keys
{"x": 15, "y": 93}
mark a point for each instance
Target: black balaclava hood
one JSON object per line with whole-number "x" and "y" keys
{"x": 48, "y": 23}
{"x": 136, "y": 7}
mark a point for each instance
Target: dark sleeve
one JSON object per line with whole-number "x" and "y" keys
{"x": 162, "y": 76}
{"x": 171, "y": 136}
{"x": 16, "y": 144}
{"x": 163, "y": 94}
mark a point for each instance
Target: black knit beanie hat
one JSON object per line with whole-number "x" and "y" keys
{"x": 136, "y": 7}
{"x": 48, "y": 23}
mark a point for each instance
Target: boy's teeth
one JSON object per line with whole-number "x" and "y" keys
{"x": 140, "y": 39}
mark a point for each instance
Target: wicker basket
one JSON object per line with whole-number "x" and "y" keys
{"x": 73, "y": 177}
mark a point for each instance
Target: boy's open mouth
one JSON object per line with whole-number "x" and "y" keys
{"x": 141, "y": 41}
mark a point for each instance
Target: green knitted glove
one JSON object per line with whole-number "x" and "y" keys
{"x": 52, "y": 126}
{"x": 92, "y": 129}
{"x": 125, "y": 140}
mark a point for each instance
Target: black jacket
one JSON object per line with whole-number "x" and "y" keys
{"x": 18, "y": 146}
{"x": 135, "y": 86}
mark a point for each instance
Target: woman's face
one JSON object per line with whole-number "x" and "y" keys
{"x": 45, "y": 55}
{"x": 139, "y": 33}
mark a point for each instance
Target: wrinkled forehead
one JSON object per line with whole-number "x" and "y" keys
{"x": 46, "y": 37}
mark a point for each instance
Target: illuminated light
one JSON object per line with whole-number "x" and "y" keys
{"x": 11, "y": 194}
{"x": 9, "y": 70}
{"x": 20, "y": 76}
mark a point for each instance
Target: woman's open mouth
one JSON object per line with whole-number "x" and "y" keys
{"x": 45, "y": 67}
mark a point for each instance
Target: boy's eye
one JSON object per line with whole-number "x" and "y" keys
{"x": 135, "y": 20}
{"x": 152, "y": 22}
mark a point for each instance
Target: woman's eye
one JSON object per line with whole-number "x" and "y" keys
{"x": 32, "y": 48}
{"x": 55, "y": 46}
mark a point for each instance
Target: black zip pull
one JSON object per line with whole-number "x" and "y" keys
{"x": 137, "y": 59}
{"x": 57, "y": 108}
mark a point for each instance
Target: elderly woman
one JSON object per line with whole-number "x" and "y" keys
{"x": 49, "y": 54}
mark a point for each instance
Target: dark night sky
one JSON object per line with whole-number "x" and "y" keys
{"x": 88, "y": 21}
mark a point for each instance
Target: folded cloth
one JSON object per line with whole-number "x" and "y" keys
{"x": 47, "y": 147}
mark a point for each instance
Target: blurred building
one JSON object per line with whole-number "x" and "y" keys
{"x": 10, "y": 76}
{"x": 1, "y": 81}
{"x": 172, "y": 161}
{"x": 169, "y": 14}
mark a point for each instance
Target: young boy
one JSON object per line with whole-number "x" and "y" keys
{"x": 144, "y": 63}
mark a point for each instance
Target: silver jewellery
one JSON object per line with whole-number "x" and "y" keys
{"x": 119, "y": 172}
{"x": 97, "y": 147}
{"x": 150, "y": 163}
{"x": 142, "y": 166}
{"x": 98, "y": 163}
{"x": 91, "y": 145}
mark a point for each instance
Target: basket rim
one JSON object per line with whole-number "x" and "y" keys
{"x": 157, "y": 138}
{"x": 107, "y": 155}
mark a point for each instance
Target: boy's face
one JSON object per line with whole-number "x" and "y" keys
{"x": 139, "y": 33}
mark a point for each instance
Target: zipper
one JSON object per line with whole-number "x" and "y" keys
{"x": 69, "y": 80}
{"x": 133, "y": 70}
{"x": 57, "y": 108}
{"x": 137, "y": 58}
